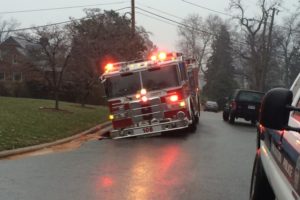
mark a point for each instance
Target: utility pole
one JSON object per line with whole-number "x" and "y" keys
{"x": 132, "y": 18}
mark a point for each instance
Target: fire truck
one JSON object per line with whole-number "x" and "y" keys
{"x": 152, "y": 96}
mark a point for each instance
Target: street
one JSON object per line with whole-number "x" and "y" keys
{"x": 213, "y": 163}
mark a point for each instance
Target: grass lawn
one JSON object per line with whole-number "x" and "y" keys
{"x": 24, "y": 122}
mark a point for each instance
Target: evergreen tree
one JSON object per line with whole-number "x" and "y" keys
{"x": 220, "y": 71}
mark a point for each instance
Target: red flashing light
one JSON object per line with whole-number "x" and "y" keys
{"x": 153, "y": 58}
{"x": 109, "y": 67}
{"x": 174, "y": 98}
{"x": 162, "y": 56}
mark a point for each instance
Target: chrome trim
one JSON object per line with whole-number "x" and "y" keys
{"x": 147, "y": 114}
{"x": 150, "y": 125}
{"x": 151, "y": 106}
{"x": 127, "y": 136}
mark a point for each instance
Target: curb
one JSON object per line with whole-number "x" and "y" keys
{"x": 106, "y": 126}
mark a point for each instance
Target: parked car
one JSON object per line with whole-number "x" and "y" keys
{"x": 276, "y": 168}
{"x": 211, "y": 106}
{"x": 243, "y": 104}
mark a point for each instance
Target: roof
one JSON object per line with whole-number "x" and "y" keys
{"x": 21, "y": 44}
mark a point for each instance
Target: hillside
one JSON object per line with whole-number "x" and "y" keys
{"x": 25, "y": 122}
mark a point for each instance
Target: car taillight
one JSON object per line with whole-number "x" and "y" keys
{"x": 233, "y": 105}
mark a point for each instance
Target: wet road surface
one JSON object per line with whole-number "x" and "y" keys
{"x": 213, "y": 163}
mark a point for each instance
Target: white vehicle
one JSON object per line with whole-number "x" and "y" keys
{"x": 276, "y": 169}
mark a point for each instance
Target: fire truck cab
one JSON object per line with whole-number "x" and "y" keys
{"x": 152, "y": 96}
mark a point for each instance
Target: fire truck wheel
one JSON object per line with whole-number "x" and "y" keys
{"x": 192, "y": 127}
{"x": 260, "y": 187}
{"x": 197, "y": 118}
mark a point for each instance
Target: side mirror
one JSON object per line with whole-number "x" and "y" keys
{"x": 275, "y": 108}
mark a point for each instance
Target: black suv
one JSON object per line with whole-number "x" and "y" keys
{"x": 243, "y": 104}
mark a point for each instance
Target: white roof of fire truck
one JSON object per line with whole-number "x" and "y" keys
{"x": 138, "y": 65}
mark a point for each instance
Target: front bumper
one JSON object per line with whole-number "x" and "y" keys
{"x": 150, "y": 129}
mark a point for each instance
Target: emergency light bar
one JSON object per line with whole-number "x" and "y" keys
{"x": 162, "y": 56}
{"x": 138, "y": 64}
{"x": 112, "y": 67}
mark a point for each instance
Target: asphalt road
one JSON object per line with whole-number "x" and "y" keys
{"x": 213, "y": 163}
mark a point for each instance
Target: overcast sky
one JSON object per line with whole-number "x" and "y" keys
{"x": 164, "y": 33}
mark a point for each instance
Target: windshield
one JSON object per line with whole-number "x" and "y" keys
{"x": 118, "y": 86}
{"x": 250, "y": 96}
{"x": 161, "y": 78}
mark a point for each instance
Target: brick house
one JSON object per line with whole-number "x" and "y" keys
{"x": 15, "y": 70}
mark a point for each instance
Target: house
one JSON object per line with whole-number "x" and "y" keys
{"x": 15, "y": 70}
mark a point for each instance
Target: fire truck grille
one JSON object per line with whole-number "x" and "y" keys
{"x": 141, "y": 112}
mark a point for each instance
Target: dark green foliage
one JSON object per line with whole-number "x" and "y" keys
{"x": 220, "y": 71}
{"x": 101, "y": 38}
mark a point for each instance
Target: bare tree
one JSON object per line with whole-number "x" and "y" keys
{"x": 258, "y": 39}
{"x": 195, "y": 38}
{"x": 6, "y": 28}
{"x": 289, "y": 40}
{"x": 51, "y": 56}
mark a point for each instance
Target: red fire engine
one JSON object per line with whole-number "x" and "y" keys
{"x": 152, "y": 96}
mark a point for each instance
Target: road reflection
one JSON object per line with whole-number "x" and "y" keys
{"x": 145, "y": 175}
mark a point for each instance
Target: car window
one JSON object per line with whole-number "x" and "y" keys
{"x": 153, "y": 80}
{"x": 182, "y": 71}
{"x": 250, "y": 96}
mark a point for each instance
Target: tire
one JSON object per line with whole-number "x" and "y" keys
{"x": 197, "y": 118}
{"x": 193, "y": 127}
{"x": 231, "y": 118}
{"x": 260, "y": 188}
{"x": 253, "y": 122}
{"x": 225, "y": 116}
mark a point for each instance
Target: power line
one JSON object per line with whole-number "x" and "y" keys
{"x": 156, "y": 19}
{"x": 203, "y": 7}
{"x": 226, "y": 14}
{"x": 61, "y": 8}
{"x": 52, "y": 24}
{"x": 161, "y": 11}
{"x": 237, "y": 42}
{"x": 184, "y": 25}
{"x": 171, "y": 20}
